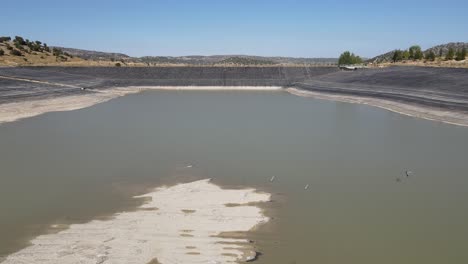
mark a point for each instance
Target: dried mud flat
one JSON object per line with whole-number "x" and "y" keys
{"x": 185, "y": 223}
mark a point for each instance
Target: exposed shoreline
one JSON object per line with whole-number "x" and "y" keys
{"x": 423, "y": 112}
{"x": 10, "y": 112}
{"x": 185, "y": 223}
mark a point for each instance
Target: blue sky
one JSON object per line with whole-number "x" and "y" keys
{"x": 255, "y": 27}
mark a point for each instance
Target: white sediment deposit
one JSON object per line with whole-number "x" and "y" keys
{"x": 179, "y": 224}
{"x": 23, "y": 109}
{"x": 10, "y": 112}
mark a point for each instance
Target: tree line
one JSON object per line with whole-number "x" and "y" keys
{"x": 415, "y": 53}
{"x": 22, "y": 45}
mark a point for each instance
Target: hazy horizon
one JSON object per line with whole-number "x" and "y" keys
{"x": 259, "y": 28}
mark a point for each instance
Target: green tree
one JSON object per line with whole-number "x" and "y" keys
{"x": 450, "y": 54}
{"x": 430, "y": 56}
{"x": 19, "y": 40}
{"x": 405, "y": 55}
{"x": 4, "y": 39}
{"x": 118, "y": 64}
{"x": 2, "y": 52}
{"x": 57, "y": 52}
{"x": 418, "y": 55}
{"x": 415, "y": 52}
{"x": 411, "y": 52}
{"x": 397, "y": 55}
{"x": 461, "y": 54}
{"x": 441, "y": 53}
{"x": 347, "y": 58}
{"x": 34, "y": 46}
{"x": 16, "y": 53}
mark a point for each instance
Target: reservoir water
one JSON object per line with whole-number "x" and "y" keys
{"x": 359, "y": 207}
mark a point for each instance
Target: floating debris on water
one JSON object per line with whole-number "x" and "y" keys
{"x": 272, "y": 179}
{"x": 306, "y": 187}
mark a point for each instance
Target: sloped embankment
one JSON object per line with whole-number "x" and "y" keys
{"x": 433, "y": 93}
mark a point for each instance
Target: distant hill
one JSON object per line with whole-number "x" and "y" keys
{"x": 236, "y": 59}
{"x": 445, "y": 47}
{"x": 246, "y": 61}
{"x": 197, "y": 59}
{"x": 94, "y": 55}
{"x": 387, "y": 57}
{"x": 18, "y": 51}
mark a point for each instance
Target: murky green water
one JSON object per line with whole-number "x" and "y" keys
{"x": 75, "y": 166}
